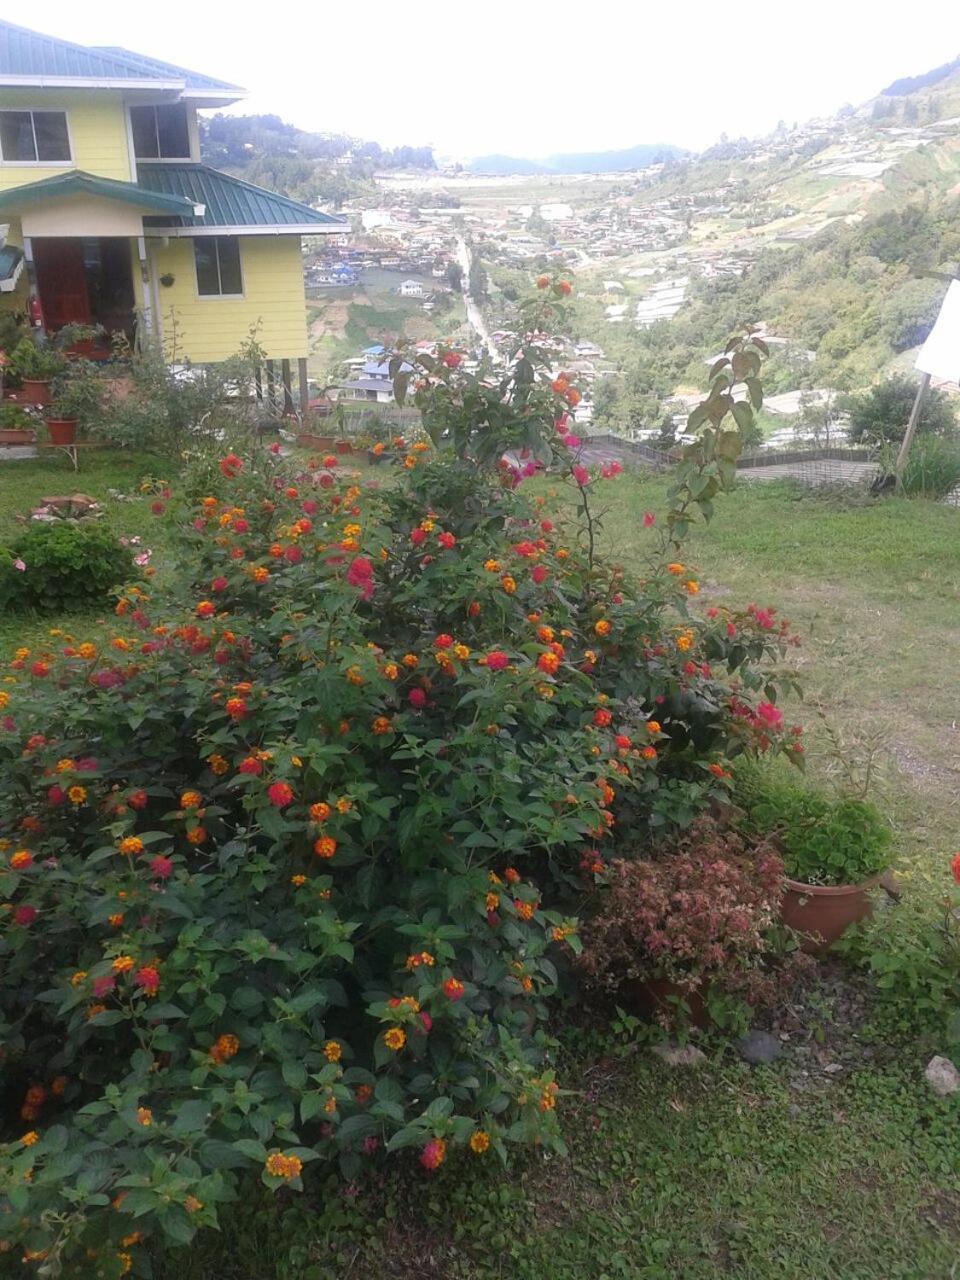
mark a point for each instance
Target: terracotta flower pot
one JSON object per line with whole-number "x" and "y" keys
{"x": 658, "y": 995}
{"x": 13, "y": 435}
{"x": 35, "y": 391}
{"x": 62, "y": 431}
{"x": 824, "y": 912}
{"x": 323, "y": 444}
{"x": 343, "y": 446}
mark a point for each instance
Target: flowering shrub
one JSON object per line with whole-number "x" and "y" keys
{"x": 290, "y": 863}
{"x": 64, "y": 566}
{"x": 696, "y": 917}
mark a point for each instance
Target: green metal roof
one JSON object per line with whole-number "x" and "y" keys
{"x": 30, "y": 55}
{"x": 76, "y": 182}
{"x": 229, "y": 202}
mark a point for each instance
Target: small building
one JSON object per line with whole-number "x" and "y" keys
{"x": 411, "y": 289}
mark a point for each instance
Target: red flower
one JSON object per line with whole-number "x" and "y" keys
{"x": 205, "y": 609}
{"x": 955, "y": 867}
{"x": 102, "y": 985}
{"x": 425, "y": 1020}
{"x": 771, "y": 716}
{"x": 451, "y": 359}
{"x": 473, "y": 608}
{"x": 443, "y": 641}
{"x": 275, "y": 447}
{"x": 158, "y": 509}
{"x": 218, "y": 584}
{"x": 40, "y": 669}
{"x": 580, "y": 474}
{"x": 160, "y": 867}
{"x": 417, "y": 536}
{"x": 648, "y": 519}
{"x": 543, "y": 282}
{"x": 602, "y": 718}
{"x": 240, "y": 525}
{"x": 148, "y": 979}
{"x": 539, "y": 573}
{"x": 250, "y": 765}
{"x": 293, "y": 555}
{"x": 431, "y": 1157}
{"x": 496, "y": 660}
{"x": 360, "y": 575}
{"x": 453, "y": 989}
{"x": 231, "y": 466}
{"x": 622, "y": 742}
{"x": 564, "y": 287}
{"x": 417, "y": 698}
{"x": 137, "y": 799}
{"x": 279, "y": 794}
{"x": 25, "y": 915}
{"x": 447, "y": 541}
{"x": 56, "y": 796}
{"x": 309, "y": 507}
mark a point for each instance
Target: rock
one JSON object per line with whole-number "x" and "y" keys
{"x": 680, "y": 1055}
{"x": 942, "y": 1077}
{"x": 832, "y": 1068}
{"x": 759, "y": 1048}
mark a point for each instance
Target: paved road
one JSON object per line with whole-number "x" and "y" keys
{"x": 474, "y": 314}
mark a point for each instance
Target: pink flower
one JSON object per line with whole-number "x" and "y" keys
{"x": 275, "y": 448}
{"x": 496, "y": 660}
{"x": 572, "y": 442}
{"x": 19, "y": 565}
{"x": 425, "y": 1020}
{"x": 218, "y": 584}
{"x": 648, "y": 519}
{"x": 25, "y": 915}
{"x": 56, "y": 796}
{"x": 142, "y": 559}
{"x": 102, "y": 985}
{"x": 417, "y": 698}
{"x": 770, "y": 715}
{"x": 369, "y": 1145}
{"x": 764, "y": 619}
{"x": 580, "y": 474}
{"x": 160, "y": 867}
{"x": 360, "y": 575}
{"x": 431, "y": 1157}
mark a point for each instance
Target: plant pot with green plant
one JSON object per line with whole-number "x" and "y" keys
{"x": 36, "y": 364}
{"x": 16, "y": 425}
{"x": 835, "y": 851}
{"x": 78, "y": 395}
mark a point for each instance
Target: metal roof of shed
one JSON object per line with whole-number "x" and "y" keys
{"x": 229, "y": 202}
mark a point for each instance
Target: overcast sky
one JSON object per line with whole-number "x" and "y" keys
{"x": 526, "y": 77}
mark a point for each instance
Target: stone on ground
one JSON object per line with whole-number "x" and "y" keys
{"x": 942, "y": 1077}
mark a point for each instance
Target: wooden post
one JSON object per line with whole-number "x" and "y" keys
{"x": 146, "y": 286}
{"x": 911, "y": 429}
{"x": 287, "y": 387}
{"x": 258, "y": 380}
{"x": 304, "y": 387}
{"x": 271, "y": 386}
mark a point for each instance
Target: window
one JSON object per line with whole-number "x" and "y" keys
{"x": 218, "y": 266}
{"x": 31, "y": 137}
{"x": 160, "y": 133}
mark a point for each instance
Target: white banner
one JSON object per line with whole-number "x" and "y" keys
{"x": 940, "y": 354}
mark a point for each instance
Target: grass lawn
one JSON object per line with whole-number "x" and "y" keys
{"x": 835, "y": 1162}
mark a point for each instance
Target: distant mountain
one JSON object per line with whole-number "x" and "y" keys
{"x": 910, "y": 84}
{"x": 638, "y": 157}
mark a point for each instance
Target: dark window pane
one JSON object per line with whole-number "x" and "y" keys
{"x": 172, "y": 131}
{"x": 144, "y": 123}
{"x": 50, "y": 128}
{"x": 208, "y": 278}
{"x": 231, "y": 281}
{"x": 16, "y": 136}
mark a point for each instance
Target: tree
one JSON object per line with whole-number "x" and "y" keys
{"x": 881, "y": 414}
{"x": 454, "y": 275}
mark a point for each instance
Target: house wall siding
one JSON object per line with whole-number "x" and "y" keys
{"x": 98, "y": 133}
{"x": 214, "y": 328}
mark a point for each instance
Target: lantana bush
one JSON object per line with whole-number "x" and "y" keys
{"x": 291, "y": 863}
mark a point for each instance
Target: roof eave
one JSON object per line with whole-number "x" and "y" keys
{"x": 251, "y": 229}
{"x": 91, "y": 82}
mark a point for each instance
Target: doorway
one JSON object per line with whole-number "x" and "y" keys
{"x": 85, "y": 280}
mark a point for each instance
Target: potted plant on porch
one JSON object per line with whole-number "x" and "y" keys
{"x": 835, "y": 851}
{"x": 77, "y": 399}
{"x": 36, "y": 364}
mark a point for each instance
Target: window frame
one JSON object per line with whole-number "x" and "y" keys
{"x": 159, "y": 159}
{"x": 215, "y": 241}
{"x": 69, "y": 163}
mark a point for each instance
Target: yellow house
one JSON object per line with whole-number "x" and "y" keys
{"x": 109, "y": 217}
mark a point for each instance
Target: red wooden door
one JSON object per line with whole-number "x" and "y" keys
{"x": 62, "y": 281}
